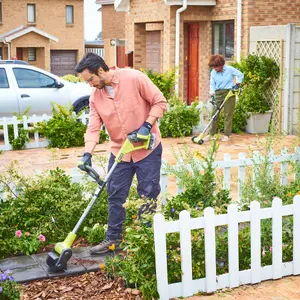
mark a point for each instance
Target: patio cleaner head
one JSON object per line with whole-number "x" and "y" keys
{"x": 236, "y": 90}
{"x": 57, "y": 259}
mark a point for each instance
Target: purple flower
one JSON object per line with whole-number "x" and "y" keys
{"x": 173, "y": 210}
{"x": 1, "y": 289}
{"x": 10, "y": 278}
{"x": 197, "y": 207}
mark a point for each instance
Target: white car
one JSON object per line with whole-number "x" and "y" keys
{"x": 23, "y": 86}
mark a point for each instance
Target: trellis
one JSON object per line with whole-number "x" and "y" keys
{"x": 274, "y": 49}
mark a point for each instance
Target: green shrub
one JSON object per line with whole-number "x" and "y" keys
{"x": 259, "y": 72}
{"x": 48, "y": 204}
{"x": 164, "y": 81}
{"x": 72, "y": 78}
{"x": 63, "y": 130}
{"x": 179, "y": 119}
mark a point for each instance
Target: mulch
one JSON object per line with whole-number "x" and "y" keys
{"x": 83, "y": 287}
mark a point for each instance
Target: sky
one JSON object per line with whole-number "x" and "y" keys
{"x": 92, "y": 20}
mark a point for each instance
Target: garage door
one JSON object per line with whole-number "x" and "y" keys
{"x": 63, "y": 62}
{"x": 153, "y": 50}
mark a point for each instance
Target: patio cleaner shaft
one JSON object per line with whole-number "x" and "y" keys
{"x": 57, "y": 259}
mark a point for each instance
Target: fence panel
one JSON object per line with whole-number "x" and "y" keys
{"x": 234, "y": 277}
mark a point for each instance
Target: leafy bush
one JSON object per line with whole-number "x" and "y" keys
{"x": 259, "y": 71}
{"x": 179, "y": 119}
{"x": 72, "y": 78}
{"x": 19, "y": 142}
{"x": 48, "y": 204}
{"x": 63, "y": 130}
{"x": 164, "y": 81}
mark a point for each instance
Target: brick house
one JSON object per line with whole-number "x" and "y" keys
{"x": 46, "y": 34}
{"x": 113, "y": 33}
{"x": 202, "y": 27}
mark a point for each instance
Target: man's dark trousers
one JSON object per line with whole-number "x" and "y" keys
{"x": 148, "y": 175}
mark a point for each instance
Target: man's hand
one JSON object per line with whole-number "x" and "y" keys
{"x": 86, "y": 160}
{"x": 236, "y": 86}
{"x": 144, "y": 131}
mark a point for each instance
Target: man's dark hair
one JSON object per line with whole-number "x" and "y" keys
{"x": 92, "y": 62}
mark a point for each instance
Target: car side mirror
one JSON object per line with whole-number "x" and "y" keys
{"x": 59, "y": 84}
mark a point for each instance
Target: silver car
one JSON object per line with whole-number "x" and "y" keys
{"x": 23, "y": 86}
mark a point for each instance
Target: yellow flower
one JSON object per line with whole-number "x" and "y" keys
{"x": 134, "y": 217}
{"x": 289, "y": 194}
{"x": 27, "y": 233}
{"x": 112, "y": 247}
{"x": 102, "y": 266}
{"x": 298, "y": 193}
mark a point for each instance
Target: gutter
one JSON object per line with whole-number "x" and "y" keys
{"x": 177, "y": 43}
{"x": 239, "y": 30}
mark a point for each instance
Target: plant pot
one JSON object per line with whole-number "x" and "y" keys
{"x": 259, "y": 122}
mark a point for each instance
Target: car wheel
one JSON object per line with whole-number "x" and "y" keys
{"x": 81, "y": 105}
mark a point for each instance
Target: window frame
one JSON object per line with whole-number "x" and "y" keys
{"x": 34, "y": 13}
{"x": 34, "y": 50}
{"x": 70, "y": 6}
{"x": 224, "y": 37}
{"x": 6, "y": 79}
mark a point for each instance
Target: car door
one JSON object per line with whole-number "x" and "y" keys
{"x": 37, "y": 91}
{"x": 8, "y": 95}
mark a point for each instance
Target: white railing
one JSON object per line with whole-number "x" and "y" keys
{"x": 37, "y": 141}
{"x": 228, "y": 165}
{"x": 212, "y": 282}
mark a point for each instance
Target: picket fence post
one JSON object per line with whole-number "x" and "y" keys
{"x": 233, "y": 241}
{"x": 255, "y": 229}
{"x": 210, "y": 249}
{"x": 5, "y": 129}
{"x": 186, "y": 253}
{"x": 241, "y": 174}
{"x": 277, "y": 237}
{"x": 161, "y": 266}
{"x": 226, "y": 180}
{"x": 296, "y": 236}
{"x": 284, "y": 168}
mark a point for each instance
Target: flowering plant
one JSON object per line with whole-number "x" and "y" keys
{"x": 27, "y": 243}
{"x": 9, "y": 289}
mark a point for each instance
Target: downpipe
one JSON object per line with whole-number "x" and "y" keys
{"x": 177, "y": 43}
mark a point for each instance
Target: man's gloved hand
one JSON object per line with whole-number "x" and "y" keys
{"x": 236, "y": 86}
{"x": 85, "y": 160}
{"x": 144, "y": 131}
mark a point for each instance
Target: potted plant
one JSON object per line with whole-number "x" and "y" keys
{"x": 259, "y": 73}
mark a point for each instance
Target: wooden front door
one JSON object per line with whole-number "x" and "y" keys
{"x": 20, "y": 53}
{"x": 193, "y": 62}
{"x": 153, "y": 50}
{"x": 121, "y": 56}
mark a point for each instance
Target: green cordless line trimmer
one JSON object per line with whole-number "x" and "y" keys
{"x": 58, "y": 258}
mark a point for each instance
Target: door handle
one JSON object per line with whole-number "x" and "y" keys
{"x": 25, "y": 96}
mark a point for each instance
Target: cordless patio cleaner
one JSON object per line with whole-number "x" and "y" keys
{"x": 236, "y": 90}
{"x": 57, "y": 259}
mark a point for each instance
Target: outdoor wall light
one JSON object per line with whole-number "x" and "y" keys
{"x": 113, "y": 42}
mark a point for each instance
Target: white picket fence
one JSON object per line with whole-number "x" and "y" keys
{"x": 228, "y": 165}
{"x": 212, "y": 282}
{"x": 37, "y": 142}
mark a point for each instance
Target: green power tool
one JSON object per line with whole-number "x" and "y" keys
{"x": 57, "y": 259}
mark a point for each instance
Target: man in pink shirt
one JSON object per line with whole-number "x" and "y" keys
{"x": 125, "y": 100}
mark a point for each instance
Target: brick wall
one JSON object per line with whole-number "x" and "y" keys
{"x": 51, "y": 18}
{"x": 113, "y": 27}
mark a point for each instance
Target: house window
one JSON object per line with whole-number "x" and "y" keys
{"x": 70, "y": 14}
{"x": 31, "y": 13}
{"x": 0, "y": 11}
{"x": 223, "y": 38}
{"x": 31, "y": 54}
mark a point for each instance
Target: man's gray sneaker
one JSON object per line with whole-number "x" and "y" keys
{"x": 106, "y": 246}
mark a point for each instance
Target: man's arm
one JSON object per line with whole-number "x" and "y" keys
{"x": 91, "y": 137}
{"x": 151, "y": 93}
{"x": 239, "y": 75}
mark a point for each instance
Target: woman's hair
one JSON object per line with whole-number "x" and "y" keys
{"x": 216, "y": 61}
{"x": 92, "y": 62}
